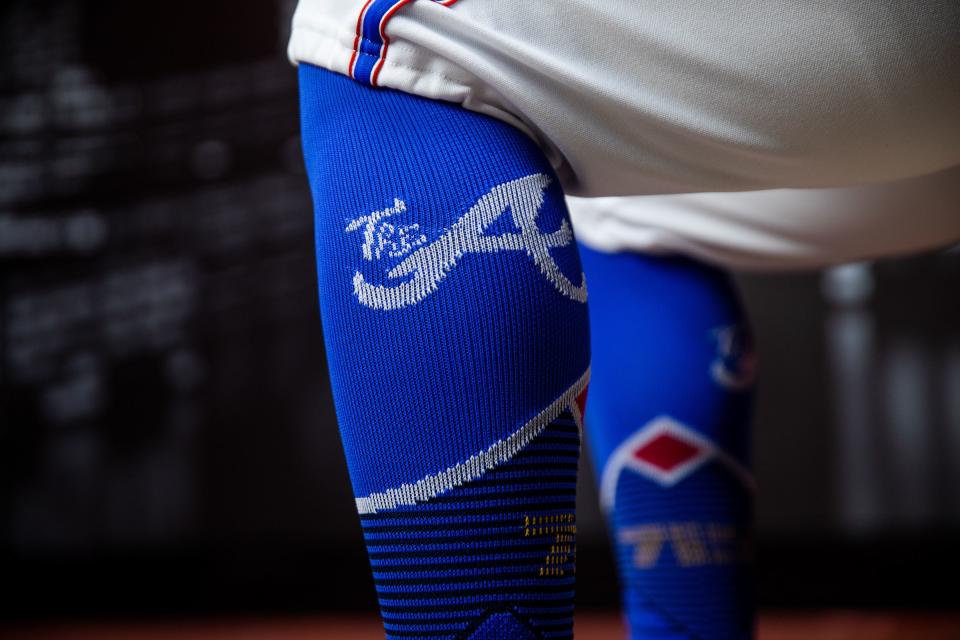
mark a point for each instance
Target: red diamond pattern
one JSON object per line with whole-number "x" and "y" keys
{"x": 666, "y": 452}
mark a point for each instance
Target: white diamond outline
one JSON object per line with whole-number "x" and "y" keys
{"x": 622, "y": 458}
{"x": 667, "y": 426}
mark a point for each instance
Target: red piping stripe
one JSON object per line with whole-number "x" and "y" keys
{"x": 356, "y": 40}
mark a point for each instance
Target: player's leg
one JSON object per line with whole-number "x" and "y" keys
{"x": 668, "y": 424}
{"x": 454, "y": 313}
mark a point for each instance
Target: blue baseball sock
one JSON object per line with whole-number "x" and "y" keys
{"x": 668, "y": 424}
{"x": 453, "y": 306}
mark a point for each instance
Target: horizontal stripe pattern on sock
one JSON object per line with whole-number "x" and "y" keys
{"x": 662, "y": 600}
{"x": 504, "y": 542}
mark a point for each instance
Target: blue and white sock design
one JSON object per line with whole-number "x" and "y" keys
{"x": 453, "y": 305}
{"x": 668, "y": 423}
{"x": 495, "y": 553}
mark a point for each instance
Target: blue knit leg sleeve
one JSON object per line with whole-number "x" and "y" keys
{"x": 668, "y": 422}
{"x": 454, "y": 313}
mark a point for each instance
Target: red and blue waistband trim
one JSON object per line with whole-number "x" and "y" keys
{"x": 371, "y": 42}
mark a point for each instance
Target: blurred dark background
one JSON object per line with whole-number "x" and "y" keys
{"x": 167, "y": 440}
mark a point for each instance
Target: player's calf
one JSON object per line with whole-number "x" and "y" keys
{"x": 668, "y": 422}
{"x": 454, "y": 313}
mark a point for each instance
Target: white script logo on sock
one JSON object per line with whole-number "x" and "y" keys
{"x": 426, "y": 264}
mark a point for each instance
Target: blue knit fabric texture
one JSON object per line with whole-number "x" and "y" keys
{"x": 453, "y": 304}
{"x": 668, "y": 423}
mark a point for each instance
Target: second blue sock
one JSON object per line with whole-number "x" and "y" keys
{"x": 668, "y": 423}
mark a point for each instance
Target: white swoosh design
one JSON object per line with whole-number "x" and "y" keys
{"x": 476, "y": 465}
